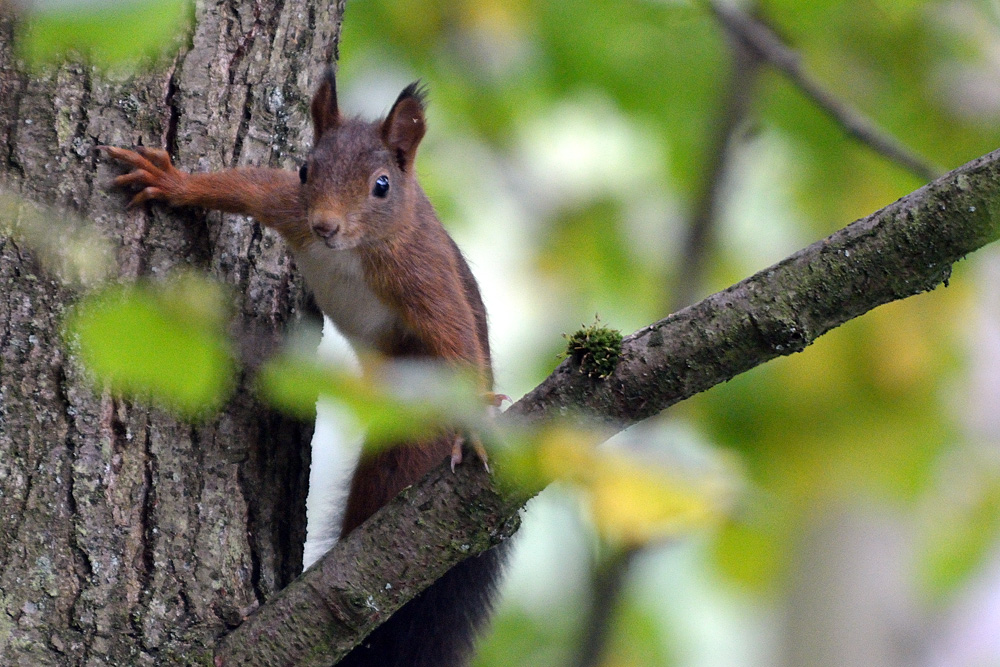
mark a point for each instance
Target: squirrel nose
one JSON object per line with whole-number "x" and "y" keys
{"x": 326, "y": 228}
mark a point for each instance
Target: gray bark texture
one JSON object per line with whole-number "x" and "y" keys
{"x": 128, "y": 537}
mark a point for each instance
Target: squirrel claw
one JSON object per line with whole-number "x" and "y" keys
{"x": 496, "y": 400}
{"x": 152, "y": 173}
{"x": 157, "y": 156}
{"x": 477, "y": 447}
{"x": 137, "y": 177}
{"x": 131, "y": 158}
{"x": 145, "y": 195}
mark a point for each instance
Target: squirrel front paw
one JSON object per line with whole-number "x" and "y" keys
{"x": 152, "y": 171}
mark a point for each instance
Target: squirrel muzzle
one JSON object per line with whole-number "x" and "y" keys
{"x": 327, "y": 227}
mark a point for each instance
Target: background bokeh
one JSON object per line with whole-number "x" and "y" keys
{"x": 569, "y": 149}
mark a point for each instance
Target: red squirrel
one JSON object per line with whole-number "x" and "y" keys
{"x": 385, "y": 271}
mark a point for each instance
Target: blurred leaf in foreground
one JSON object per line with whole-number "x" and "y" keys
{"x": 635, "y": 502}
{"x": 164, "y": 341}
{"x": 108, "y": 31}
{"x": 633, "y": 499}
{"x": 69, "y": 249}
{"x": 393, "y": 401}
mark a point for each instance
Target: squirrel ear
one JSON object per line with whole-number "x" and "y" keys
{"x": 404, "y": 127}
{"x": 324, "y": 105}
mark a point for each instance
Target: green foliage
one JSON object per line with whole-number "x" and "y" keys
{"x": 519, "y": 638}
{"x": 961, "y": 525}
{"x": 164, "y": 342}
{"x": 855, "y": 415}
{"x": 616, "y": 278}
{"x": 394, "y": 402}
{"x": 637, "y": 638}
{"x": 108, "y": 32}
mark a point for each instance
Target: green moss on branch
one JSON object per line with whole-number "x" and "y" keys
{"x": 595, "y": 349}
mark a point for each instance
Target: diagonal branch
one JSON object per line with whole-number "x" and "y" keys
{"x": 904, "y": 249}
{"x": 769, "y": 47}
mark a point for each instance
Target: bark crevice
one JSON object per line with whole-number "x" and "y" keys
{"x": 181, "y": 530}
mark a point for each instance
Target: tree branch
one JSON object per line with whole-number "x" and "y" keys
{"x": 771, "y": 49}
{"x": 378, "y": 567}
{"x": 904, "y": 249}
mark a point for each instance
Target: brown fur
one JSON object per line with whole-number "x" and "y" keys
{"x": 413, "y": 268}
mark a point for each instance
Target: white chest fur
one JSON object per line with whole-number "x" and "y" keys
{"x": 336, "y": 279}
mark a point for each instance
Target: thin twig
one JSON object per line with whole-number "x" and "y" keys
{"x": 701, "y": 232}
{"x": 770, "y": 48}
{"x": 607, "y": 589}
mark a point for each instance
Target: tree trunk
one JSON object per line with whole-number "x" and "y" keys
{"x": 127, "y": 536}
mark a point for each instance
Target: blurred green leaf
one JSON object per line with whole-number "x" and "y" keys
{"x": 637, "y": 638}
{"x": 593, "y": 237}
{"x": 293, "y": 384}
{"x": 394, "y": 402}
{"x": 753, "y": 552}
{"x": 107, "y": 31}
{"x": 519, "y": 638}
{"x": 163, "y": 342}
{"x": 70, "y": 249}
{"x": 963, "y": 525}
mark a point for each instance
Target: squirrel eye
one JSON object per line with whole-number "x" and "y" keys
{"x": 303, "y": 173}
{"x": 381, "y": 186}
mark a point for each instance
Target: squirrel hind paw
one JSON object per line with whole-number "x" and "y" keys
{"x": 457, "y": 453}
{"x": 495, "y": 400}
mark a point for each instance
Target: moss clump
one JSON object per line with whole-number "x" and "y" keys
{"x": 595, "y": 349}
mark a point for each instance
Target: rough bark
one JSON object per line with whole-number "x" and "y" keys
{"x": 902, "y": 250}
{"x": 127, "y": 536}
{"x": 380, "y": 566}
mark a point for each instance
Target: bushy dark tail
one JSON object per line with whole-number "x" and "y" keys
{"x": 437, "y": 628}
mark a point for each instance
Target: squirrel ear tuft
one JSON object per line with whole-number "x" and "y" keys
{"x": 324, "y": 105}
{"x": 404, "y": 127}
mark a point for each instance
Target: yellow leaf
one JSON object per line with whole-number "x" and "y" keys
{"x": 632, "y": 500}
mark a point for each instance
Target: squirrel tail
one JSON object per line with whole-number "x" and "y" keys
{"x": 437, "y": 628}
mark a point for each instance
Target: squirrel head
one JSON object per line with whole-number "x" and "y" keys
{"x": 358, "y": 182}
